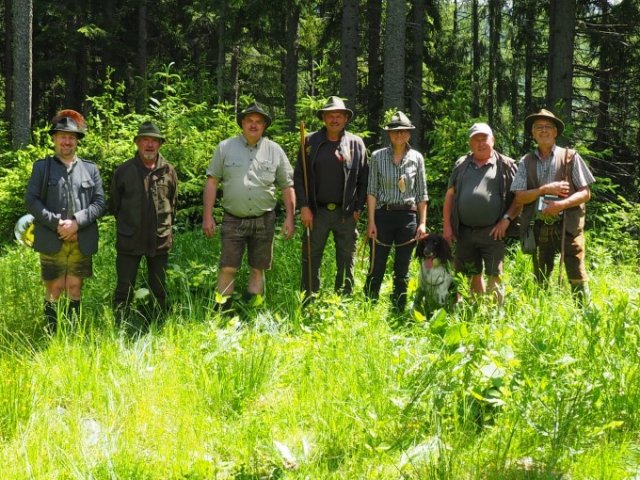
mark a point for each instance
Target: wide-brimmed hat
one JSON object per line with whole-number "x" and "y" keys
{"x": 399, "y": 121}
{"x": 68, "y": 121}
{"x": 332, "y": 105}
{"x": 253, "y": 108}
{"x": 483, "y": 128}
{"x": 543, "y": 115}
{"x": 149, "y": 129}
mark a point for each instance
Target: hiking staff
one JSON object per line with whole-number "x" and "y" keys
{"x": 563, "y": 235}
{"x": 303, "y": 158}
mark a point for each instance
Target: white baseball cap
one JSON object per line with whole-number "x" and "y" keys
{"x": 480, "y": 128}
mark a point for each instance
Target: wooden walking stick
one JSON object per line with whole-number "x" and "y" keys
{"x": 303, "y": 159}
{"x": 563, "y": 235}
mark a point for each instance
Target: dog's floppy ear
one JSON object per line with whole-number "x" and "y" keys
{"x": 420, "y": 248}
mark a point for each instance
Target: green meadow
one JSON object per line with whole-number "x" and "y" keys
{"x": 536, "y": 389}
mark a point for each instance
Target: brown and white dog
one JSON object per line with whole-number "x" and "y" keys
{"x": 435, "y": 283}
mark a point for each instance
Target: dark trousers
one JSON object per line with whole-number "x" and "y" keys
{"x": 127, "y": 270}
{"x": 344, "y": 235}
{"x": 394, "y": 228}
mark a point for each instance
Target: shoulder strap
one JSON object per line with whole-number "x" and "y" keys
{"x": 532, "y": 174}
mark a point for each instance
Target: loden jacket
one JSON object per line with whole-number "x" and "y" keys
{"x": 144, "y": 202}
{"x": 87, "y": 193}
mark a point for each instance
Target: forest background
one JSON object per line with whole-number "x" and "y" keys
{"x": 538, "y": 389}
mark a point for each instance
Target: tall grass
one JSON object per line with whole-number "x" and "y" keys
{"x": 341, "y": 389}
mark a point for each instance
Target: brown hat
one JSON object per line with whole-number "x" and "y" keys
{"x": 334, "y": 104}
{"x": 543, "y": 115}
{"x": 68, "y": 121}
{"x": 253, "y": 108}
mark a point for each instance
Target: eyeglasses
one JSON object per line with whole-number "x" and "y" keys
{"x": 542, "y": 128}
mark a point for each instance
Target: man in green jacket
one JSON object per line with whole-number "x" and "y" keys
{"x": 143, "y": 201}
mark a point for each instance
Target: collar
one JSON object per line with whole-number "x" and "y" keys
{"x": 551, "y": 155}
{"x": 491, "y": 161}
{"x": 246, "y": 144}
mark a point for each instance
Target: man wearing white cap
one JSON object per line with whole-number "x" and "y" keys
{"x": 478, "y": 209}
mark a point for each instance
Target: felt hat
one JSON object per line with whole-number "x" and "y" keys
{"x": 543, "y": 115}
{"x": 253, "y": 108}
{"x": 68, "y": 121}
{"x": 399, "y": 121}
{"x": 483, "y": 128}
{"x": 334, "y": 104}
{"x": 149, "y": 129}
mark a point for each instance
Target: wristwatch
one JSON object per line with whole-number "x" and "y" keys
{"x": 507, "y": 217}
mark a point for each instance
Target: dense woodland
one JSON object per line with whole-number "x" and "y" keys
{"x": 446, "y": 63}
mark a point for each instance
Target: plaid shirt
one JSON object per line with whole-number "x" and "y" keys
{"x": 546, "y": 169}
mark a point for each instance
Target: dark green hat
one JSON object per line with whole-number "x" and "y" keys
{"x": 149, "y": 129}
{"x": 253, "y": 108}
{"x": 543, "y": 115}
{"x": 68, "y": 121}
{"x": 399, "y": 121}
{"x": 332, "y": 105}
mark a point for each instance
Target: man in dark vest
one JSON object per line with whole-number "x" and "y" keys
{"x": 143, "y": 200}
{"x": 553, "y": 185}
{"x": 478, "y": 209}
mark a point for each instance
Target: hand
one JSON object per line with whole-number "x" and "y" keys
{"x": 499, "y": 231}
{"x": 289, "y": 228}
{"x": 553, "y": 208}
{"x": 356, "y": 215}
{"x": 67, "y": 230}
{"x": 372, "y": 231}
{"x": 209, "y": 226}
{"x": 306, "y": 217}
{"x": 421, "y": 232}
{"x": 560, "y": 189}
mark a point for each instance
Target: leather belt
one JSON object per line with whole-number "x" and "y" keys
{"x": 330, "y": 206}
{"x": 399, "y": 208}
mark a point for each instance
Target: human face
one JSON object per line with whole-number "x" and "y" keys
{"x": 544, "y": 132}
{"x": 399, "y": 138}
{"x": 65, "y": 145}
{"x": 253, "y": 126}
{"x": 335, "y": 122}
{"x": 148, "y": 148}
{"x": 481, "y": 146}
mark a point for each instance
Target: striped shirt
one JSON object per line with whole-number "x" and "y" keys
{"x": 402, "y": 184}
{"x": 546, "y": 169}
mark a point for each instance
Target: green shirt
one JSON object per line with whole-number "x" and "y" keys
{"x": 250, "y": 174}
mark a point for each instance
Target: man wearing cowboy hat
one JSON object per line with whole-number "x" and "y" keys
{"x": 331, "y": 188}
{"x": 65, "y": 196}
{"x": 397, "y": 209}
{"x": 251, "y": 167}
{"x": 143, "y": 200}
{"x": 553, "y": 184}
{"x": 478, "y": 209}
